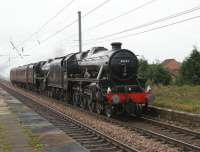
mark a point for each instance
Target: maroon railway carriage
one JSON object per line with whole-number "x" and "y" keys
{"x": 23, "y": 75}
{"x": 19, "y": 75}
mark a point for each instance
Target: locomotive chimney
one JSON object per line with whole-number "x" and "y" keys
{"x": 116, "y": 45}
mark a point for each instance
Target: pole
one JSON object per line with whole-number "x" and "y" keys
{"x": 80, "y": 32}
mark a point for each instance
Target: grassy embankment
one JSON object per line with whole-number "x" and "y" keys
{"x": 182, "y": 98}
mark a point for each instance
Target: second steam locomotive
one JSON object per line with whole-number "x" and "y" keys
{"x": 101, "y": 80}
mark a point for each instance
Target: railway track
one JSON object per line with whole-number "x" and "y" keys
{"x": 185, "y": 139}
{"x": 88, "y": 137}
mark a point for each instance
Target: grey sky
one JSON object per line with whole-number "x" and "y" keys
{"x": 21, "y": 18}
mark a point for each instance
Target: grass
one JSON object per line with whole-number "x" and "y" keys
{"x": 182, "y": 98}
{"x": 4, "y": 144}
{"x": 34, "y": 140}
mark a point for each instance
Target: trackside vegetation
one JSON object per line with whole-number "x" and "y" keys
{"x": 183, "y": 93}
{"x": 190, "y": 69}
{"x": 182, "y": 98}
{"x": 153, "y": 73}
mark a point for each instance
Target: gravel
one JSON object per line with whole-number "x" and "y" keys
{"x": 176, "y": 123}
{"x": 119, "y": 133}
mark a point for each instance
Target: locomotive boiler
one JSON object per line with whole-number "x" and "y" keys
{"x": 101, "y": 80}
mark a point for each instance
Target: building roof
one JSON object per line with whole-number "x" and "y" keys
{"x": 172, "y": 66}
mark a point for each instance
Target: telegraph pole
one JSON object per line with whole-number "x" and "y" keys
{"x": 80, "y": 32}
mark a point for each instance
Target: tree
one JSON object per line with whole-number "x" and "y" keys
{"x": 155, "y": 73}
{"x": 190, "y": 69}
{"x": 158, "y": 75}
{"x": 143, "y": 69}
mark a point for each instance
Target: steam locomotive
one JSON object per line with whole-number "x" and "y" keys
{"x": 101, "y": 80}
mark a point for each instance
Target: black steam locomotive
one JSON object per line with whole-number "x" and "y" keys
{"x": 101, "y": 80}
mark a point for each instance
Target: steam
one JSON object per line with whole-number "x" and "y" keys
{"x": 58, "y": 52}
{"x": 4, "y": 70}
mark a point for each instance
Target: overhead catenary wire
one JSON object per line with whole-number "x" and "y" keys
{"x": 53, "y": 17}
{"x": 67, "y": 26}
{"x": 146, "y": 24}
{"x": 72, "y": 23}
{"x": 15, "y": 48}
{"x": 160, "y": 27}
{"x": 149, "y": 23}
{"x": 121, "y": 15}
{"x": 145, "y": 31}
{"x": 4, "y": 48}
{"x": 149, "y": 30}
{"x": 97, "y": 7}
{"x": 59, "y": 31}
{"x": 134, "y": 28}
{"x": 47, "y": 22}
{"x": 117, "y": 17}
{"x": 54, "y": 34}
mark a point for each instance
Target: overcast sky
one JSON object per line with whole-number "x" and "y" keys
{"x": 21, "y": 18}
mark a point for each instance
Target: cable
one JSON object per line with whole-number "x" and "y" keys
{"x": 59, "y": 31}
{"x": 69, "y": 25}
{"x": 160, "y": 27}
{"x": 15, "y": 48}
{"x": 97, "y": 7}
{"x": 53, "y": 17}
{"x": 88, "y": 13}
{"x": 149, "y": 23}
{"x": 153, "y": 29}
{"x": 121, "y": 15}
{"x": 116, "y": 17}
{"x": 48, "y": 21}
{"x": 54, "y": 34}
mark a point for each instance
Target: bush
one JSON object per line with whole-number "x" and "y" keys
{"x": 143, "y": 69}
{"x": 158, "y": 75}
{"x": 154, "y": 73}
{"x": 190, "y": 69}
